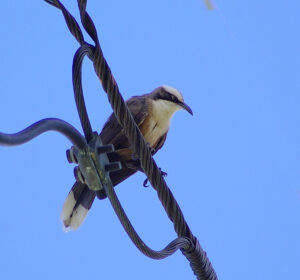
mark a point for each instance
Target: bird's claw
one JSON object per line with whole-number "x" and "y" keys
{"x": 152, "y": 150}
{"x": 164, "y": 174}
{"x": 145, "y": 183}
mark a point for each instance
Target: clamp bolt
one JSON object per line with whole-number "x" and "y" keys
{"x": 78, "y": 175}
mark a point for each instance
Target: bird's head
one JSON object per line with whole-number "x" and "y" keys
{"x": 171, "y": 97}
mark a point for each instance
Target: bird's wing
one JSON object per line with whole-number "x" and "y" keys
{"x": 113, "y": 133}
{"x": 159, "y": 143}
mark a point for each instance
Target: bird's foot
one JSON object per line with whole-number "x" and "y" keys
{"x": 145, "y": 183}
{"x": 152, "y": 150}
{"x": 164, "y": 174}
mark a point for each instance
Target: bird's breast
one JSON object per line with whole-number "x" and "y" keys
{"x": 153, "y": 129}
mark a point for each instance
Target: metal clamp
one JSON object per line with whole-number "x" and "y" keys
{"x": 93, "y": 163}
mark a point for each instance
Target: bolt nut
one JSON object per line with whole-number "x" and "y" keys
{"x": 71, "y": 157}
{"x": 113, "y": 166}
{"x": 106, "y": 149}
{"x": 78, "y": 175}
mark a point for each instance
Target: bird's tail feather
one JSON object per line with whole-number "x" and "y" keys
{"x": 76, "y": 206}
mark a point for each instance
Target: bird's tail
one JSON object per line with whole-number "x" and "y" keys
{"x": 76, "y": 206}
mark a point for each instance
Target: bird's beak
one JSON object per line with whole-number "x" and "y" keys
{"x": 186, "y": 107}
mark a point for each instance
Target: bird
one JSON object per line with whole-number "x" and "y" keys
{"x": 152, "y": 113}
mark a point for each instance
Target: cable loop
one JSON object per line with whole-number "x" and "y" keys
{"x": 84, "y": 50}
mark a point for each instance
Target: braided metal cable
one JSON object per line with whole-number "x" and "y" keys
{"x": 78, "y": 92}
{"x": 197, "y": 257}
{"x": 70, "y": 20}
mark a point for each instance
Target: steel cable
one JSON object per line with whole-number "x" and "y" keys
{"x": 197, "y": 257}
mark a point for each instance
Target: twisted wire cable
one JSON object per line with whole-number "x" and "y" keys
{"x": 195, "y": 254}
{"x": 78, "y": 92}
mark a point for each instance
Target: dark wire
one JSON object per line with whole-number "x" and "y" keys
{"x": 40, "y": 127}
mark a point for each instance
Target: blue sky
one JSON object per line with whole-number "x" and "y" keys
{"x": 234, "y": 167}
